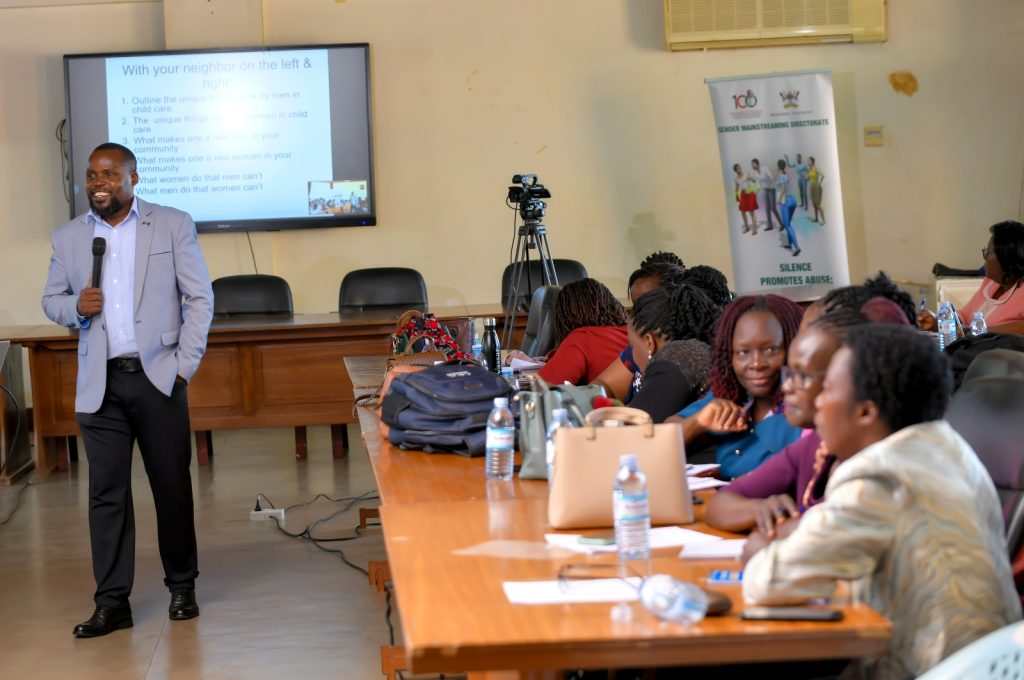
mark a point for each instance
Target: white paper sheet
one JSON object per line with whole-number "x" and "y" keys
{"x": 694, "y": 469}
{"x": 660, "y": 537}
{"x": 572, "y": 592}
{"x": 525, "y": 365}
{"x": 724, "y": 549}
{"x": 698, "y": 483}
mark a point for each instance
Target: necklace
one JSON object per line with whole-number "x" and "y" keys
{"x": 1006, "y": 295}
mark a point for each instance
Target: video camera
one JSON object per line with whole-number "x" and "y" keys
{"x": 527, "y": 193}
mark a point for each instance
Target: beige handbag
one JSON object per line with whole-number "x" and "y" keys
{"x": 587, "y": 460}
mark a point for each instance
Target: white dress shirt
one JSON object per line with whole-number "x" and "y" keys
{"x": 118, "y": 282}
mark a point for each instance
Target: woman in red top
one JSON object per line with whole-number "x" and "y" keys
{"x": 590, "y": 331}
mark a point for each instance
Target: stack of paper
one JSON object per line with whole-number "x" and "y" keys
{"x": 696, "y": 481}
{"x": 526, "y": 365}
{"x": 572, "y": 592}
{"x": 660, "y": 537}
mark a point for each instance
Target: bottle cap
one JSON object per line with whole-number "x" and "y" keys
{"x": 506, "y": 370}
{"x": 628, "y": 460}
{"x": 489, "y": 322}
{"x": 502, "y": 401}
{"x": 560, "y": 412}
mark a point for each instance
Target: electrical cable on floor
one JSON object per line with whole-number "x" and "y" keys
{"x": 387, "y": 615}
{"x": 364, "y": 496}
{"x": 17, "y": 503}
{"x": 17, "y": 426}
{"x": 307, "y": 533}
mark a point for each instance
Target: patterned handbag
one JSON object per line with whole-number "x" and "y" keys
{"x": 416, "y": 332}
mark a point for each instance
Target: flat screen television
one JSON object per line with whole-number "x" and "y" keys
{"x": 242, "y": 139}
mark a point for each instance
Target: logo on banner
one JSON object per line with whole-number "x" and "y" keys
{"x": 790, "y": 99}
{"x": 745, "y": 100}
{"x": 744, "y": 105}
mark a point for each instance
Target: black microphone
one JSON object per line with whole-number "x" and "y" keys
{"x": 99, "y": 246}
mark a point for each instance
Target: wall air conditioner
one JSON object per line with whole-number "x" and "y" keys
{"x": 707, "y": 24}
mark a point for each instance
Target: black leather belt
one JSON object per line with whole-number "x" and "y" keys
{"x": 125, "y": 364}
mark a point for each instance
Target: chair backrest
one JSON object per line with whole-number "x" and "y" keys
{"x": 539, "y": 336}
{"x": 567, "y": 271}
{"x": 989, "y": 414}
{"x": 997, "y": 656}
{"x": 252, "y": 294}
{"x": 387, "y": 288}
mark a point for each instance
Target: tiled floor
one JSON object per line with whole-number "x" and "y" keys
{"x": 273, "y": 607}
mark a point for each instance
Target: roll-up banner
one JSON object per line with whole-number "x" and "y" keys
{"x": 780, "y": 171}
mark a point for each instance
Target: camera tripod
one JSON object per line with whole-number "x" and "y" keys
{"x": 532, "y": 235}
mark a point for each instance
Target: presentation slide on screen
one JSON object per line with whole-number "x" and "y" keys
{"x": 233, "y": 135}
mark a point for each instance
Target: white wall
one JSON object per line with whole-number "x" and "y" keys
{"x": 582, "y": 92}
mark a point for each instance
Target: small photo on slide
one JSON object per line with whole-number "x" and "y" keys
{"x": 338, "y": 197}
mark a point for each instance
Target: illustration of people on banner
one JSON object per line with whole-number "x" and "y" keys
{"x": 777, "y": 142}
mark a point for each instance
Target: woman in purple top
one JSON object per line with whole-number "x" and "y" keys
{"x": 785, "y": 485}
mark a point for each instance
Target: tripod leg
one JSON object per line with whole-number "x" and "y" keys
{"x": 547, "y": 265}
{"x": 522, "y": 254}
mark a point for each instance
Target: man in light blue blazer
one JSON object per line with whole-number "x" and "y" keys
{"x": 142, "y": 333}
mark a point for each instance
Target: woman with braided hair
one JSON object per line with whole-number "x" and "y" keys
{"x": 621, "y": 377}
{"x": 590, "y": 331}
{"x": 669, "y": 332}
{"x": 713, "y": 282}
{"x": 741, "y": 415}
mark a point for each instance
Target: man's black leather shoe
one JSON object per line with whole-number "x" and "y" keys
{"x": 105, "y": 620}
{"x": 183, "y": 605}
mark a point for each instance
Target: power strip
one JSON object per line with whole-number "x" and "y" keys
{"x": 257, "y": 515}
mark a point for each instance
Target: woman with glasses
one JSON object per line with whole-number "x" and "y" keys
{"x": 741, "y": 416}
{"x": 789, "y": 483}
{"x": 998, "y": 298}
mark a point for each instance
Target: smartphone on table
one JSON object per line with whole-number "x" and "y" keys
{"x": 790, "y": 614}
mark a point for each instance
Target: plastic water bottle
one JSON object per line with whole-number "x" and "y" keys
{"x": 559, "y": 419}
{"x": 477, "y": 353}
{"x": 510, "y": 377}
{"x": 632, "y": 511}
{"x": 947, "y": 325}
{"x": 491, "y": 346}
{"x": 673, "y": 600}
{"x": 501, "y": 436}
{"x": 978, "y": 324}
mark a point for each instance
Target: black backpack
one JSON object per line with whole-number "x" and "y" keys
{"x": 966, "y": 350}
{"x": 442, "y": 408}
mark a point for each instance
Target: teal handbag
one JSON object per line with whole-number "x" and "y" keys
{"x": 535, "y": 407}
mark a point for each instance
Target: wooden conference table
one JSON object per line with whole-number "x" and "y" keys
{"x": 453, "y": 538}
{"x": 258, "y": 371}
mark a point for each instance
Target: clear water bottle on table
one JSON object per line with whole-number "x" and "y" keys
{"x": 978, "y": 324}
{"x": 501, "y": 436}
{"x": 559, "y": 419}
{"x": 946, "y": 319}
{"x": 673, "y": 600}
{"x": 632, "y": 511}
{"x": 509, "y": 376}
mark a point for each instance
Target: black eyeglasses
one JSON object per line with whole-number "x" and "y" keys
{"x": 567, "y": 573}
{"x": 802, "y": 379}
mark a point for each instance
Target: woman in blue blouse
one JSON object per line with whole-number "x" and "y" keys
{"x": 741, "y": 415}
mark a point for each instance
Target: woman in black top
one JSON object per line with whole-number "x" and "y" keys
{"x": 670, "y": 332}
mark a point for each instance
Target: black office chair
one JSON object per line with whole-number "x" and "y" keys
{"x": 252, "y": 294}
{"x": 539, "y": 337}
{"x": 567, "y": 271}
{"x": 246, "y": 294}
{"x": 382, "y": 288}
{"x": 989, "y": 413}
